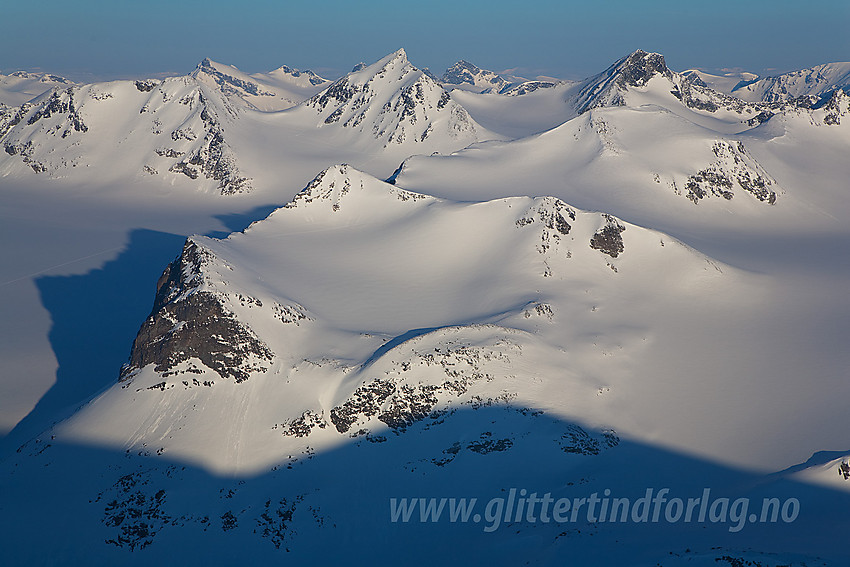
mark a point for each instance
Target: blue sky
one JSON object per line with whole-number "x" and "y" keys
{"x": 100, "y": 39}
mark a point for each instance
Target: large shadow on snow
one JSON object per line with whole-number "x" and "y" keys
{"x": 95, "y": 317}
{"x": 237, "y": 222}
{"x": 333, "y": 507}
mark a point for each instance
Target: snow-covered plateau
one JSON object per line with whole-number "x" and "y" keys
{"x": 275, "y": 316}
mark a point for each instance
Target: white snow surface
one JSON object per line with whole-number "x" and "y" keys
{"x": 21, "y": 86}
{"x": 815, "y": 82}
{"x": 625, "y": 282}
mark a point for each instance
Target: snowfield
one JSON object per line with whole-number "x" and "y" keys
{"x": 251, "y": 313}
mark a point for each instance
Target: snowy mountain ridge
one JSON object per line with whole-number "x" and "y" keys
{"x": 178, "y": 122}
{"x": 394, "y": 102}
{"x": 277, "y": 90}
{"x": 466, "y": 76}
{"x": 805, "y": 85}
{"x": 642, "y": 72}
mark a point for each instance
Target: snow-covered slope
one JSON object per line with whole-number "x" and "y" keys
{"x": 214, "y": 130}
{"x": 467, "y": 77}
{"x": 644, "y": 161}
{"x": 393, "y": 102}
{"x": 805, "y": 84}
{"x": 642, "y": 78}
{"x": 277, "y": 90}
{"x": 172, "y": 128}
{"x": 19, "y": 87}
{"x": 319, "y": 332}
{"x": 724, "y": 83}
{"x": 627, "y": 283}
{"x": 365, "y": 342}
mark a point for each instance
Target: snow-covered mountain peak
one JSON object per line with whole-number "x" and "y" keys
{"x": 637, "y": 68}
{"x": 394, "y": 102}
{"x": 340, "y": 184}
{"x": 396, "y": 59}
{"x": 816, "y": 82}
{"x": 231, "y": 81}
{"x": 724, "y": 83}
{"x": 461, "y": 72}
{"x": 277, "y": 90}
{"x": 175, "y": 128}
{"x": 298, "y": 76}
{"x": 608, "y": 87}
{"x": 22, "y": 86}
{"x": 464, "y": 73}
{"x": 642, "y": 79}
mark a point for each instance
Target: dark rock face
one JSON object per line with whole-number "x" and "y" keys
{"x": 731, "y": 168}
{"x": 708, "y": 181}
{"x": 465, "y": 73}
{"x": 190, "y": 323}
{"x": 553, "y": 214}
{"x": 359, "y": 101}
{"x": 136, "y": 514}
{"x": 634, "y": 70}
{"x": 366, "y": 402}
{"x": 639, "y": 67}
{"x": 61, "y": 102}
{"x": 26, "y": 152}
{"x": 609, "y": 239}
{"x": 147, "y": 86}
{"x": 694, "y": 79}
{"x": 399, "y": 403}
{"x": 760, "y": 118}
{"x": 230, "y": 84}
{"x": 311, "y": 76}
{"x": 460, "y": 73}
{"x": 214, "y": 159}
{"x": 528, "y": 87}
{"x": 834, "y": 110}
{"x": 11, "y": 117}
{"x": 578, "y": 441}
{"x": 340, "y": 92}
{"x": 486, "y": 444}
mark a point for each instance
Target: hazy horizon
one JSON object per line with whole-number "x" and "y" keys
{"x": 94, "y": 40}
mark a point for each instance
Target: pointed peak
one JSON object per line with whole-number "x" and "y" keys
{"x": 640, "y": 66}
{"x": 460, "y": 73}
{"x": 428, "y": 73}
{"x": 464, "y": 64}
{"x": 206, "y": 65}
{"x": 397, "y": 59}
{"x": 337, "y": 183}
